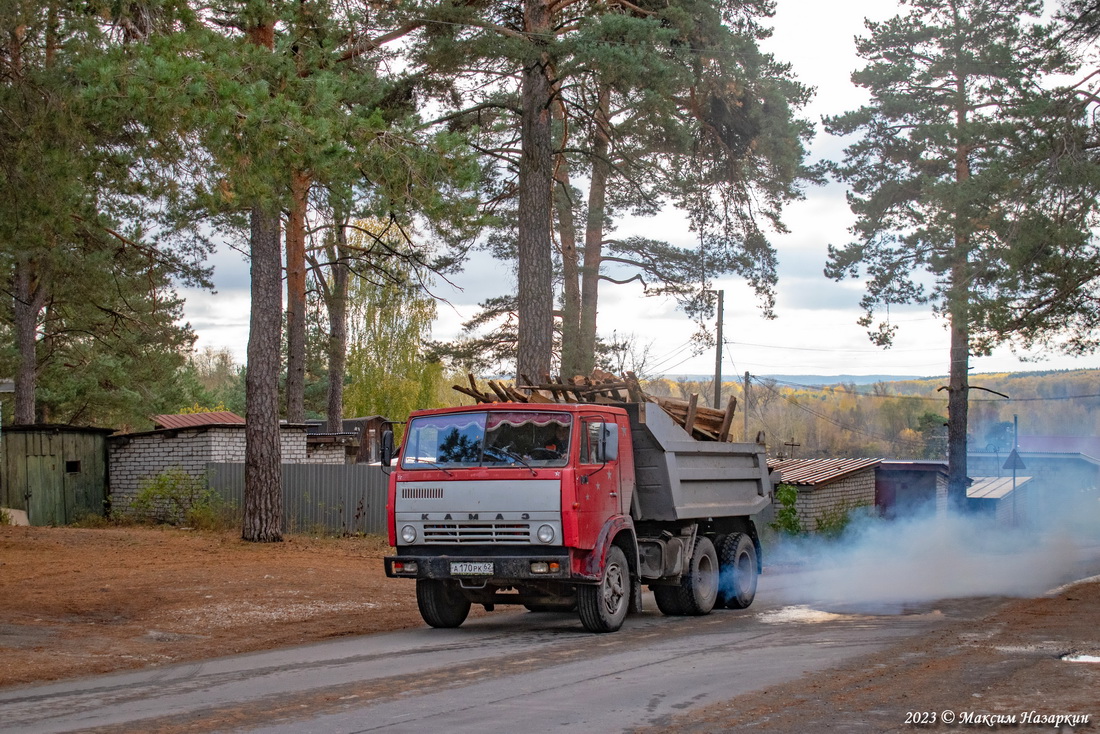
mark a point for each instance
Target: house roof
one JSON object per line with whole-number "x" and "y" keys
{"x": 818, "y": 471}
{"x": 1085, "y": 445}
{"x": 993, "y": 488}
{"x": 192, "y": 420}
{"x": 913, "y": 465}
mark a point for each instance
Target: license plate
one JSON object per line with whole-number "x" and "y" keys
{"x": 468, "y": 568}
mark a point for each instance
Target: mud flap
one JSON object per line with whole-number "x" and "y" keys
{"x": 635, "y": 594}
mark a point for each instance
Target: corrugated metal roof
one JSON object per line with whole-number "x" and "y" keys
{"x": 192, "y": 420}
{"x": 818, "y": 471}
{"x": 1086, "y": 445}
{"x": 993, "y": 488}
{"x": 913, "y": 465}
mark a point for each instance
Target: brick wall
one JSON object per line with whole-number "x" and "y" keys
{"x": 135, "y": 458}
{"x": 941, "y": 494}
{"x": 329, "y": 453}
{"x": 818, "y": 502}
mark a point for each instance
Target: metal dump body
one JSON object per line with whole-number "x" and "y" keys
{"x": 679, "y": 478}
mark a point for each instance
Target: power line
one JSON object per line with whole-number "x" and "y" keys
{"x": 661, "y": 363}
{"x": 834, "y": 389}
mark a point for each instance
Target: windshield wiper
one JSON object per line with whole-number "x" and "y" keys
{"x": 436, "y": 465}
{"x": 513, "y": 456}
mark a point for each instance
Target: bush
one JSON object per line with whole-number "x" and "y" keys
{"x": 91, "y": 520}
{"x": 5, "y": 517}
{"x": 832, "y": 523}
{"x": 786, "y": 517}
{"x": 175, "y": 497}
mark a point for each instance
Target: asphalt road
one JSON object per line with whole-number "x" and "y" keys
{"x": 506, "y": 672}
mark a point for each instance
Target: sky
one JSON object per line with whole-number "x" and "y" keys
{"x": 815, "y": 332}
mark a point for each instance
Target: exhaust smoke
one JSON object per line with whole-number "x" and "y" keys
{"x": 879, "y": 566}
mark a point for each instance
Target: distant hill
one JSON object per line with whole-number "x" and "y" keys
{"x": 827, "y": 380}
{"x": 842, "y": 379}
{"x": 813, "y": 380}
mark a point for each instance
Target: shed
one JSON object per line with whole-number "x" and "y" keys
{"x": 55, "y": 474}
{"x": 370, "y": 429}
{"x": 359, "y": 436}
{"x": 906, "y": 488}
{"x": 999, "y": 497}
{"x": 827, "y": 488}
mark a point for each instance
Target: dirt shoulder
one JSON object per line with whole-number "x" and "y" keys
{"x": 1005, "y": 671}
{"x": 77, "y": 602}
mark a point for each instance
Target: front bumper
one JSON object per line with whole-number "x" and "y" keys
{"x": 505, "y": 568}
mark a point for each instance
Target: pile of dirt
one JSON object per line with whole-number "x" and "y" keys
{"x": 77, "y": 602}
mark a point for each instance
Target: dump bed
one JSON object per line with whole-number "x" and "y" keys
{"x": 679, "y": 478}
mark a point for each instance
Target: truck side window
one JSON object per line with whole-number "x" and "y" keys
{"x": 590, "y": 441}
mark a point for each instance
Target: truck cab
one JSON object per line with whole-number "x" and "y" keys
{"x": 507, "y": 503}
{"x": 540, "y": 505}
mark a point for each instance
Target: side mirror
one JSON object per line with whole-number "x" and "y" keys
{"x": 385, "y": 448}
{"x": 609, "y": 442}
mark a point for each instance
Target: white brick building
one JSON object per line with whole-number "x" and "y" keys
{"x": 827, "y": 488}
{"x": 134, "y": 458}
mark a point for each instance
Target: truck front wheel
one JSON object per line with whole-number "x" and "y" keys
{"x": 441, "y": 604}
{"x": 602, "y": 607}
{"x": 737, "y": 561}
{"x": 698, "y": 589}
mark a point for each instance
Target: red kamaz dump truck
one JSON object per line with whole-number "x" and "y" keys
{"x": 573, "y": 506}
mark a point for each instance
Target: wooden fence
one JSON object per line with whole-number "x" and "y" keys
{"x": 342, "y": 499}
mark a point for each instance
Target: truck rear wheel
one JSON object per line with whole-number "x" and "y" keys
{"x": 698, "y": 589}
{"x": 602, "y": 607}
{"x": 441, "y": 604}
{"x": 737, "y": 577}
{"x": 737, "y": 571}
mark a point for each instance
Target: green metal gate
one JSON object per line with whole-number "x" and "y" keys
{"x": 55, "y": 474}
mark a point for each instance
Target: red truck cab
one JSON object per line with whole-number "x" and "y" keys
{"x": 510, "y": 503}
{"x": 559, "y": 506}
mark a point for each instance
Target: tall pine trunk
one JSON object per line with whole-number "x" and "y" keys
{"x": 958, "y": 394}
{"x": 535, "y": 293}
{"x": 263, "y": 496}
{"x": 958, "y": 307}
{"x": 337, "y": 304}
{"x": 570, "y": 269}
{"x": 296, "y": 300}
{"x": 27, "y": 290}
{"x": 27, "y": 301}
{"x": 263, "y": 485}
{"x": 594, "y": 234}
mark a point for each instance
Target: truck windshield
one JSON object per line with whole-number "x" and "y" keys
{"x": 488, "y": 439}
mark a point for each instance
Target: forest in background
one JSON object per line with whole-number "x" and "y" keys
{"x": 904, "y": 419}
{"x": 900, "y": 419}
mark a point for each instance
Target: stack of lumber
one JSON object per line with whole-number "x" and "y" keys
{"x": 604, "y": 388}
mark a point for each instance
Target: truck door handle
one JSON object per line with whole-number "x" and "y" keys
{"x": 614, "y": 494}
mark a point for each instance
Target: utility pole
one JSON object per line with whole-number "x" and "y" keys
{"x": 718, "y": 355}
{"x": 745, "y": 407}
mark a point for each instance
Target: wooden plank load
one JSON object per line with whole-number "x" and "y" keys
{"x": 604, "y": 388}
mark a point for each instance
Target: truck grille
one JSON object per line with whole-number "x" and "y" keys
{"x": 422, "y": 493}
{"x": 477, "y": 533}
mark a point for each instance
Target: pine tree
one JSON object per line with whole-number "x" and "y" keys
{"x": 650, "y": 103}
{"x": 87, "y": 192}
{"x": 968, "y": 184}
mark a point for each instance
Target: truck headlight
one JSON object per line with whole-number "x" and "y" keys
{"x": 408, "y": 534}
{"x": 545, "y": 534}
